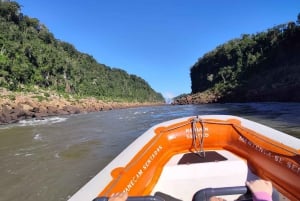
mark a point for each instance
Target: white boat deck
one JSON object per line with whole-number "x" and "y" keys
{"x": 182, "y": 181}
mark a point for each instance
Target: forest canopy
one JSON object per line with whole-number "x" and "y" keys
{"x": 31, "y": 56}
{"x": 255, "y": 67}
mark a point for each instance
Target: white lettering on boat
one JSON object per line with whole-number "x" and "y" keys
{"x": 287, "y": 163}
{"x": 141, "y": 171}
{"x": 189, "y": 132}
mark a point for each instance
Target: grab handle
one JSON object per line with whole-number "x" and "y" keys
{"x": 207, "y": 193}
{"x": 134, "y": 198}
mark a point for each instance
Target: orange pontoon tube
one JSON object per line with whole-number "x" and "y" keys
{"x": 266, "y": 153}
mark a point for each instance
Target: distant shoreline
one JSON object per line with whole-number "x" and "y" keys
{"x": 17, "y": 106}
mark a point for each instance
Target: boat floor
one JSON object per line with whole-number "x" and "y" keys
{"x": 185, "y": 174}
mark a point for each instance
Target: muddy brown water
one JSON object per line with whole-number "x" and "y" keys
{"x": 49, "y": 160}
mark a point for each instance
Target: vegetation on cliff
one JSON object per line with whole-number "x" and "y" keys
{"x": 257, "y": 67}
{"x": 30, "y": 57}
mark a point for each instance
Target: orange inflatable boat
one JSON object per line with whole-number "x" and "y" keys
{"x": 193, "y": 158}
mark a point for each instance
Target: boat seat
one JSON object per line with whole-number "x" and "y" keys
{"x": 184, "y": 174}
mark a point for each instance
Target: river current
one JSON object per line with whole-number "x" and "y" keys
{"x": 49, "y": 160}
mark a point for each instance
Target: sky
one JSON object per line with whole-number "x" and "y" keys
{"x": 157, "y": 40}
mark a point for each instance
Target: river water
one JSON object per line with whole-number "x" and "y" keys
{"x": 49, "y": 160}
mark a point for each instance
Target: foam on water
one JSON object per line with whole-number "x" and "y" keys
{"x": 24, "y": 154}
{"x": 37, "y": 137}
{"x": 35, "y": 122}
{"x": 56, "y": 155}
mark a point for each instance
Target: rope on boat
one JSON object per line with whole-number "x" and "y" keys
{"x": 200, "y": 138}
{"x": 235, "y": 126}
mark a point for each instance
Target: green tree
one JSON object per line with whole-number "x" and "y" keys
{"x": 251, "y": 63}
{"x": 30, "y": 56}
{"x": 10, "y": 10}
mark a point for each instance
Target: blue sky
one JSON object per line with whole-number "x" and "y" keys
{"x": 158, "y": 40}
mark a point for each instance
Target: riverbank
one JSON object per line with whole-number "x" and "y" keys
{"x": 198, "y": 98}
{"x": 16, "y": 106}
{"x": 275, "y": 93}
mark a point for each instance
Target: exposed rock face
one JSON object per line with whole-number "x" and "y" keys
{"x": 18, "y": 106}
{"x": 287, "y": 93}
{"x": 199, "y": 98}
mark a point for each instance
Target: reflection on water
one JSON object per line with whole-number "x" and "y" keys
{"x": 51, "y": 159}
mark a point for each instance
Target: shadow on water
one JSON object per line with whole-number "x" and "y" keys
{"x": 281, "y": 116}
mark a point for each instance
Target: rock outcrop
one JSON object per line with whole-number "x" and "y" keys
{"x": 19, "y": 106}
{"x": 198, "y": 98}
